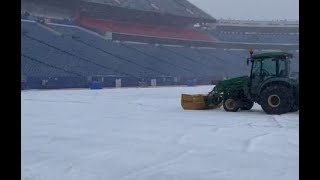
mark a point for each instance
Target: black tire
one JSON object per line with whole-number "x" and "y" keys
{"x": 231, "y": 105}
{"x": 294, "y": 108}
{"x": 247, "y": 105}
{"x": 276, "y": 100}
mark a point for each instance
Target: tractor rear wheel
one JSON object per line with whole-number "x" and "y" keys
{"x": 231, "y": 105}
{"x": 294, "y": 108}
{"x": 276, "y": 100}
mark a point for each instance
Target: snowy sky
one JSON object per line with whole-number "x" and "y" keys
{"x": 250, "y": 9}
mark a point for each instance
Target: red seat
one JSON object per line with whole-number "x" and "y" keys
{"x": 144, "y": 30}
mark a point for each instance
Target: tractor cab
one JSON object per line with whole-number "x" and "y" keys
{"x": 269, "y": 65}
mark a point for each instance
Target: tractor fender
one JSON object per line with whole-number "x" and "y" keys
{"x": 276, "y": 81}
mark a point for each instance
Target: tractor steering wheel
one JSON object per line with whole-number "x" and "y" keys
{"x": 264, "y": 73}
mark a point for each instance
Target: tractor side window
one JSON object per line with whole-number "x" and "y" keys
{"x": 256, "y": 69}
{"x": 268, "y": 67}
{"x": 283, "y": 68}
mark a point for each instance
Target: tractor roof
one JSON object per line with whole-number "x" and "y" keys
{"x": 271, "y": 55}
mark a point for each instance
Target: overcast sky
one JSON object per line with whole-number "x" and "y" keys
{"x": 250, "y": 9}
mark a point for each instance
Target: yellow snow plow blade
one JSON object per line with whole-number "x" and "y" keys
{"x": 196, "y": 102}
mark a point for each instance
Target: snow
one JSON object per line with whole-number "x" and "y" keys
{"x": 143, "y": 133}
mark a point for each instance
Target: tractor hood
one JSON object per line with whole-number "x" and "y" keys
{"x": 234, "y": 83}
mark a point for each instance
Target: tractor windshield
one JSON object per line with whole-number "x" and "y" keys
{"x": 263, "y": 68}
{"x": 269, "y": 67}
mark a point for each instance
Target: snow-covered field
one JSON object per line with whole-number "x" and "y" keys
{"x": 144, "y": 134}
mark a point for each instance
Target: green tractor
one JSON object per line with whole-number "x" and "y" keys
{"x": 269, "y": 84}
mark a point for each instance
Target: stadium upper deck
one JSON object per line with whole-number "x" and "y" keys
{"x": 173, "y": 7}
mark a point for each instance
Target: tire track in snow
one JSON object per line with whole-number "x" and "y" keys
{"x": 182, "y": 139}
{"x": 70, "y": 170}
{"x": 104, "y": 155}
{"x": 288, "y": 121}
{"x": 154, "y": 168}
{"x": 277, "y": 120}
{"x": 249, "y": 144}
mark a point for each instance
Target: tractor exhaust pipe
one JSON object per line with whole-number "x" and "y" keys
{"x": 248, "y": 59}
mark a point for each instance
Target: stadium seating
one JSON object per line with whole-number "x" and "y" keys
{"x": 257, "y": 38}
{"x": 161, "y": 59}
{"x": 62, "y": 52}
{"x": 144, "y": 30}
{"x": 175, "y": 7}
{"x": 260, "y": 33}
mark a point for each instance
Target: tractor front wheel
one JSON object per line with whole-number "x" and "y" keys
{"x": 230, "y": 105}
{"x": 276, "y": 100}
